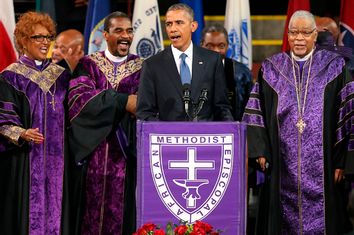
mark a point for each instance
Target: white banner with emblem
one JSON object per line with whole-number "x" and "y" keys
{"x": 147, "y": 29}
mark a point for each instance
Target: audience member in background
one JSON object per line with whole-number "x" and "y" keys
{"x": 239, "y": 83}
{"x": 32, "y": 125}
{"x": 238, "y": 76}
{"x": 68, "y": 43}
{"x": 182, "y": 67}
{"x": 299, "y": 118}
{"x": 326, "y": 24}
{"x": 98, "y": 101}
{"x": 328, "y": 32}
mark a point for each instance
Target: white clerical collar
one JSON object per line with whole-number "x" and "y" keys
{"x": 306, "y": 57}
{"x": 115, "y": 59}
{"x": 37, "y": 62}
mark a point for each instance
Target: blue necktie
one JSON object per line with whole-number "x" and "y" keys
{"x": 184, "y": 70}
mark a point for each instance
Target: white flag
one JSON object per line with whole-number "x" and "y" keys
{"x": 147, "y": 29}
{"x": 238, "y": 26}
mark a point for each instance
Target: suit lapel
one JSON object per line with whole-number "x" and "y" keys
{"x": 169, "y": 66}
{"x": 197, "y": 73}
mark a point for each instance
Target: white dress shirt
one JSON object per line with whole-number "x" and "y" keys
{"x": 177, "y": 53}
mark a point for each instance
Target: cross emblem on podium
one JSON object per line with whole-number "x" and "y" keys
{"x": 192, "y": 164}
{"x": 191, "y": 184}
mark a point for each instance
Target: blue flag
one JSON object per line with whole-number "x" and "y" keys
{"x": 96, "y": 12}
{"x": 197, "y": 7}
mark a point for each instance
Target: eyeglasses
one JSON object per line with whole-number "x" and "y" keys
{"x": 305, "y": 33}
{"x": 40, "y": 38}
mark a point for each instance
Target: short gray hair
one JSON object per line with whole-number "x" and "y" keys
{"x": 184, "y": 7}
{"x": 303, "y": 14}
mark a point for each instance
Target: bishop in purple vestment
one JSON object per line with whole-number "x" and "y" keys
{"x": 299, "y": 118}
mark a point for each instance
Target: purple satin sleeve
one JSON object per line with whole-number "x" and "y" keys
{"x": 346, "y": 119}
{"x": 86, "y": 86}
{"x": 81, "y": 91}
{"x": 8, "y": 114}
{"x": 253, "y": 113}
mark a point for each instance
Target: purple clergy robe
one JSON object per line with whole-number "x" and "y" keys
{"x": 43, "y": 90}
{"x": 95, "y": 88}
{"x": 299, "y": 195}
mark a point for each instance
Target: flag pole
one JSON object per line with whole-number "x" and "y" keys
{"x": 129, "y": 8}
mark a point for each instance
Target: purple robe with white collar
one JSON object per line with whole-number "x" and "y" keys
{"x": 97, "y": 99}
{"x": 299, "y": 195}
{"x": 31, "y": 178}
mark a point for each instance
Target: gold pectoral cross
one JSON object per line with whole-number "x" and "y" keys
{"x": 301, "y": 125}
{"x": 53, "y": 103}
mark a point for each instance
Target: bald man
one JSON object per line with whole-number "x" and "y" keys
{"x": 68, "y": 45}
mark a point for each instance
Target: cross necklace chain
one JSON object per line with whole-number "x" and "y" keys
{"x": 300, "y": 124}
{"x": 52, "y": 94}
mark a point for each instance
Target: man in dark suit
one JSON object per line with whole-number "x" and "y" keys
{"x": 238, "y": 76}
{"x": 163, "y": 96}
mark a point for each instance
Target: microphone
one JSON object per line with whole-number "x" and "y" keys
{"x": 202, "y": 99}
{"x": 186, "y": 97}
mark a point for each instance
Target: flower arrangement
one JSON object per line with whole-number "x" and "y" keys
{"x": 183, "y": 228}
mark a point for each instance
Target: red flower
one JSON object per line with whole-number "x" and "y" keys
{"x": 198, "y": 232}
{"x": 180, "y": 230}
{"x": 159, "y": 232}
{"x": 199, "y": 225}
{"x": 149, "y": 227}
{"x": 141, "y": 231}
{"x": 198, "y": 228}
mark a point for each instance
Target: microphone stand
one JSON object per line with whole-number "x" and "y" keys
{"x": 188, "y": 102}
{"x": 187, "y": 99}
{"x": 202, "y": 99}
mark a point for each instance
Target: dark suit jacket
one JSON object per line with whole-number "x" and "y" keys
{"x": 239, "y": 84}
{"x": 160, "y": 90}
